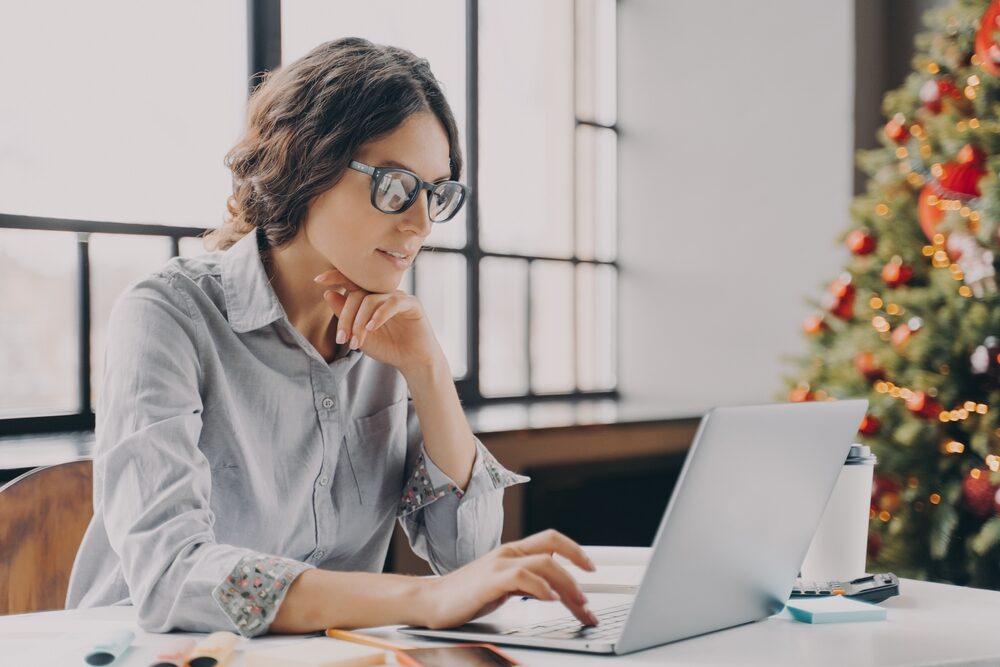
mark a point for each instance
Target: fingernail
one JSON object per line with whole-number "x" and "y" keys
{"x": 320, "y": 277}
{"x": 590, "y": 617}
{"x": 341, "y": 337}
{"x": 354, "y": 342}
{"x": 370, "y": 326}
{"x": 591, "y": 564}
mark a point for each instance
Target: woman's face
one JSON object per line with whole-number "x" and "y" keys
{"x": 345, "y": 229}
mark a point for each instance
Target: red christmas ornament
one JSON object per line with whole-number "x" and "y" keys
{"x": 962, "y": 178}
{"x": 896, "y": 129}
{"x": 844, "y": 309}
{"x": 971, "y": 154}
{"x": 869, "y": 425}
{"x": 801, "y": 393}
{"x": 928, "y": 213}
{"x": 842, "y": 290}
{"x": 895, "y": 273}
{"x": 861, "y": 242}
{"x": 978, "y": 494}
{"x": 840, "y": 298}
{"x": 867, "y": 366}
{"x": 935, "y": 91}
{"x": 959, "y": 180}
{"x": 902, "y": 334}
{"x": 986, "y": 47}
{"x": 889, "y": 501}
{"x": 874, "y": 544}
{"x": 919, "y": 403}
{"x": 882, "y": 485}
{"x": 814, "y": 324}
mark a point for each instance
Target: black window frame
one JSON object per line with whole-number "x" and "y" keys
{"x": 264, "y": 53}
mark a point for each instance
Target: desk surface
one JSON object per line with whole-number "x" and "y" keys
{"x": 929, "y": 624}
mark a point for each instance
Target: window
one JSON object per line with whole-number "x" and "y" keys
{"x": 520, "y": 287}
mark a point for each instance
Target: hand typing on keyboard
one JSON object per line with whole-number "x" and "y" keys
{"x": 523, "y": 567}
{"x": 567, "y": 627}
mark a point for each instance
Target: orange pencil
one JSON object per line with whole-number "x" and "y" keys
{"x": 334, "y": 633}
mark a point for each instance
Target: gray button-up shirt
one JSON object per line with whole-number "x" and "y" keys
{"x": 224, "y": 440}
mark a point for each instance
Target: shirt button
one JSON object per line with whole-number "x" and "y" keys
{"x": 323, "y": 480}
{"x": 327, "y": 402}
{"x": 319, "y": 554}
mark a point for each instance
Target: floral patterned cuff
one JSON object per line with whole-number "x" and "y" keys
{"x": 252, "y": 592}
{"x": 428, "y": 483}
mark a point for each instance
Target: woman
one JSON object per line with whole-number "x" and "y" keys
{"x": 271, "y": 408}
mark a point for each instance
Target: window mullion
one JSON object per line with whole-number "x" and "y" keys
{"x": 472, "y": 174}
{"x": 83, "y": 321}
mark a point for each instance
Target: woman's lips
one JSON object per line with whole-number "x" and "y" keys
{"x": 399, "y": 262}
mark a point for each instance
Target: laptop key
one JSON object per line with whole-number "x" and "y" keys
{"x": 562, "y": 634}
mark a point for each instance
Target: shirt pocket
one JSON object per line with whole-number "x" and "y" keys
{"x": 376, "y": 447}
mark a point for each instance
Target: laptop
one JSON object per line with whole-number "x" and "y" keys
{"x": 729, "y": 546}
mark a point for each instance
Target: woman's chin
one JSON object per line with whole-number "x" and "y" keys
{"x": 383, "y": 282}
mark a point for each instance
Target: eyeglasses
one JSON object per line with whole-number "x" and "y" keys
{"x": 394, "y": 190}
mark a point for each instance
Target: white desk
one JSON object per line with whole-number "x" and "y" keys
{"x": 929, "y": 624}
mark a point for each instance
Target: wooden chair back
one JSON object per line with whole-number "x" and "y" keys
{"x": 43, "y": 516}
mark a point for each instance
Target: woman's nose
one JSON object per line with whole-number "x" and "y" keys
{"x": 417, "y": 217}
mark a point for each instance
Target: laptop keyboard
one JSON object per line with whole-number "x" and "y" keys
{"x": 568, "y": 627}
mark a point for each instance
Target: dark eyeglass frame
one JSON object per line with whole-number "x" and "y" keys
{"x": 376, "y": 174}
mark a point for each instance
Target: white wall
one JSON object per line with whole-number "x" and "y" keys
{"x": 735, "y": 171}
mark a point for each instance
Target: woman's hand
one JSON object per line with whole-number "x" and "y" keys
{"x": 524, "y": 567}
{"x": 391, "y": 328}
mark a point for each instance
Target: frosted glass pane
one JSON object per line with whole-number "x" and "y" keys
{"x": 596, "y": 61}
{"x": 597, "y": 193}
{"x": 120, "y": 110}
{"x": 38, "y": 323}
{"x": 552, "y": 336}
{"x": 503, "y": 343}
{"x": 406, "y": 284}
{"x": 431, "y": 29}
{"x": 116, "y": 261}
{"x": 597, "y": 320}
{"x": 526, "y": 121}
{"x": 442, "y": 282}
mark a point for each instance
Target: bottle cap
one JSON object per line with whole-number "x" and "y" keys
{"x": 860, "y": 455}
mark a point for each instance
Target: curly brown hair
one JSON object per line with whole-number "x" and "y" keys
{"x": 306, "y": 121}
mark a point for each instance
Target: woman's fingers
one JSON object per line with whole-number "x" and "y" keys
{"x": 372, "y": 304}
{"x": 334, "y": 278}
{"x": 525, "y": 582}
{"x": 552, "y": 541}
{"x": 563, "y": 583}
{"x": 345, "y": 323}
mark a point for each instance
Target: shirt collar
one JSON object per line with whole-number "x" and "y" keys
{"x": 250, "y": 301}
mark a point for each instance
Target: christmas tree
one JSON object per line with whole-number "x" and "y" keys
{"x": 913, "y": 322}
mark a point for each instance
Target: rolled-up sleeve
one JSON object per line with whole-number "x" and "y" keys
{"x": 446, "y": 525}
{"x": 153, "y": 483}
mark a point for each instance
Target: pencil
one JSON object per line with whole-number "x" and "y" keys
{"x": 334, "y": 633}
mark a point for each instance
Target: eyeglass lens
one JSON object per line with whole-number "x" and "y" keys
{"x": 396, "y": 189}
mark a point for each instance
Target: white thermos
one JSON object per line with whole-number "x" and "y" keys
{"x": 840, "y": 545}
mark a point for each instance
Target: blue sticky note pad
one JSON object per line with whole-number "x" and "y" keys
{"x": 834, "y": 609}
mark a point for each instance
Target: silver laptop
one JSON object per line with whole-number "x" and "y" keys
{"x": 735, "y": 531}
